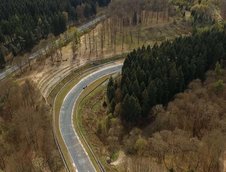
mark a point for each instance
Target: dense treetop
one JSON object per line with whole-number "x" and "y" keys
{"x": 24, "y": 22}
{"x": 152, "y": 76}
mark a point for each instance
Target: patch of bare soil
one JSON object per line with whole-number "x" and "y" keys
{"x": 120, "y": 160}
{"x": 99, "y": 44}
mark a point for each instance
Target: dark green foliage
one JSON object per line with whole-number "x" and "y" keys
{"x": 202, "y": 14}
{"x": 171, "y": 170}
{"x": 152, "y": 76}
{"x": 2, "y": 60}
{"x": 58, "y": 24}
{"x": 111, "y": 94}
{"x": 110, "y": 90}
{"x": 103, "y": 3}
{"x": 24, "y": 22}
{"x": 131, "y": 109}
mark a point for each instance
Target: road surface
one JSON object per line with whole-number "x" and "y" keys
{"x": 82, "y": 28}
{"x": 75, "y": 148}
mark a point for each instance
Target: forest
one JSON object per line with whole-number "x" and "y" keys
{"x": 26, "y": 138}
{"x": 168, "y": 106}
{"x": 152, "y": 76}
{"x": 24, "y": 22}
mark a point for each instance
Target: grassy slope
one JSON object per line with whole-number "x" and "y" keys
{"x": 61, "y": 90}
{"x": 89, "y": 111}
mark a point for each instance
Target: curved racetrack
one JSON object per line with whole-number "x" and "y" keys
{"x": 75, "y": 148}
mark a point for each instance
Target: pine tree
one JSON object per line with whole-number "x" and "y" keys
{"x": 152, "y": 76}
{"x": 218, "y": 69}
{"x": 173, "y": 79}
{"x": 21, "y": 19}
{"x": 131, "y": 109}
{"x": 110, "y": 89}
{"x": 2, "y": 60}
{"x": 145, "y": 103}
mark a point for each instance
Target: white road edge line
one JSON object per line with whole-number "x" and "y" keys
{"x": 73, "y": 113}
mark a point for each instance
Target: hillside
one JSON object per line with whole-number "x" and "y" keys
{"x": 23, "y": 23}
{"x": 164, "y": 112}
{"x": 152, "y": 76}
{"x": 184, "y": 128}
{"x": 168, "y": 143}
{"x": 26, "y": 138}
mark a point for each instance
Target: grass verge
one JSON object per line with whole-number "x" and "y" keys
{"x": 78, "y": 120}
{"x": 92, "y": 90}
{"x": 59, "y": 92}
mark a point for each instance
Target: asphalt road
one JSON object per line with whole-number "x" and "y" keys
{"x": 82, "y": 28}
{"x": 79, "y": 156}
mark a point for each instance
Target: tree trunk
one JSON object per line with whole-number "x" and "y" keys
{"x": 2, "y": 163}
{"x": 85, "y": 43}
{"x": 90, "y": 46}
{"x": 115, "y": 38}
{"x": 96, "y": 43}
{"x": 93, "y": 40}
{"x": 131, "y": 37}
{"x": 102, "y": 40}
{"x": 109, "y": 32}
{"x": 123, "y": 35}
{"x": 138, "y": 36}
{"x": 157, "y": 17}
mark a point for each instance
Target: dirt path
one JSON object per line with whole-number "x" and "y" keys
{"x": 120, "y": 159}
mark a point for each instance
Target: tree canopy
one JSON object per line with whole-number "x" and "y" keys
{"x": 152, "y": 76}
{"x": 24, "y": 22}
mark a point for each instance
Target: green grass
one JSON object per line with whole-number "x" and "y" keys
{"x": 88, "y": 98}
{"x": 80, "y": 70}
{"x": 114, "y": 156}
{"x": 58, "y": 102}
{"x": 57, "y": 106}
{"x": 78, "y": 118}
{"x": 153, "y": 33}
{"x": 60, "y": 91}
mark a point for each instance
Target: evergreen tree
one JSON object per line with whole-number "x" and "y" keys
{"x": 110, "y": 89}
{"x": 24, "y": 22}
{"x": 173, "y": 79}
{"x": 152, "y": 76}
{"x": 218, "y": 69}
{"x": 145, "y": 103}
{"x": 131, "y": 109}
{"x": 103, "y": 3}
{"x": 2, "y": 60}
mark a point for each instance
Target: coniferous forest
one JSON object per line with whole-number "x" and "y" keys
{"x": 152, "y": 76}
{"x": 24, "y": 22}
